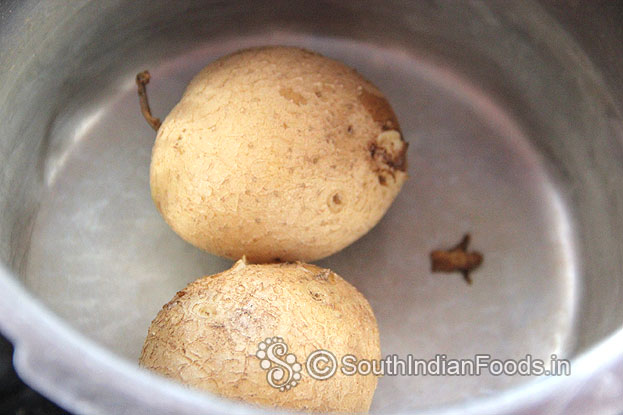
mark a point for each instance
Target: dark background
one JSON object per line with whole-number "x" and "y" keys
{"x": 15, "y": 397}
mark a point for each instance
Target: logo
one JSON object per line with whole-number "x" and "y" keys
{"x": 321, "y": 364}
{"x": 284, "y": 372}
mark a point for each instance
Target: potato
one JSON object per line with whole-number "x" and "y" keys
{"x": 279, "y": 154}
{"x": 211, "y": 334}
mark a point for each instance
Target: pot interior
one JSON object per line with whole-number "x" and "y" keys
{"x": 513, "y": 138}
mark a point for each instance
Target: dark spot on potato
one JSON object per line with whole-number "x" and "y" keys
{"x": 335, "y": 203}
{"x": 316, "y": 296}
{"x": 382, "y": 180}
{"x": 349, "y": 129}
{"x": 178, "y": 148}
{"x": 388, "y": 125}
{"x": 324, "y": 275}
{"x": 291, "y": 95}
{"x": 379, "y": 109}
{"x": 396, "y": 161}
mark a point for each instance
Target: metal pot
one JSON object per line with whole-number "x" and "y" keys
{"x": 514, "y": 115}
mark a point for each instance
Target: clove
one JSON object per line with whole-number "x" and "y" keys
{"x": 457, "y": 259}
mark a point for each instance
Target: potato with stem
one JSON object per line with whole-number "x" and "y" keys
{"x": 276, "y": 153}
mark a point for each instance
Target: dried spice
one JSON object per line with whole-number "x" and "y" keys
{"x": 457, "y": 259}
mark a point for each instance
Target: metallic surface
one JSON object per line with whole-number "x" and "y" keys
{"x": 516, "y": 137}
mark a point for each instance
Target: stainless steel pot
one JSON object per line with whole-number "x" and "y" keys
{"x": 514, "y": 115}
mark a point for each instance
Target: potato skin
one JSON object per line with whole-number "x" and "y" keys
{"x": 207, "y": 336}
{"x": 279, "y": 154}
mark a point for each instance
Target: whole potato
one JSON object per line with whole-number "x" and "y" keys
{"x": 212, "y": 333}
{"x": 279, "y": 154}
